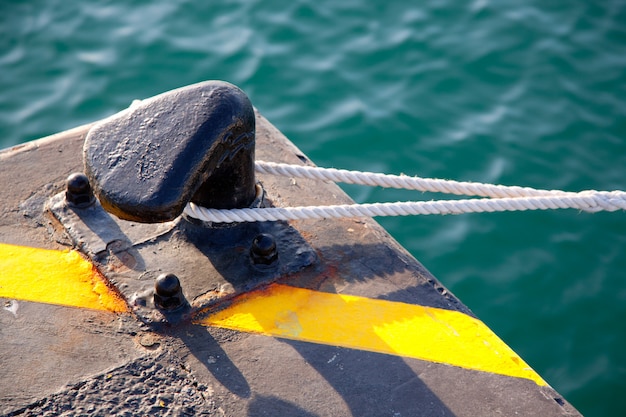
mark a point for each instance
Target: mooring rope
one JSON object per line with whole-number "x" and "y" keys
{"x": 501, "y": 198}
{"x": 399, "y": 181}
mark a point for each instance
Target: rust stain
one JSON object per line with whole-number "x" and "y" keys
{"x": 109, "y": 295}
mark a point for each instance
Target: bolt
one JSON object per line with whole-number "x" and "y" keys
{"x": 263, "y": 250}
{"x": 78, "y": 191}
{"x": 168, "y": 294}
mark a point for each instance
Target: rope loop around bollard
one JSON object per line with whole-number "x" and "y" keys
{"x": 500, "y": 198}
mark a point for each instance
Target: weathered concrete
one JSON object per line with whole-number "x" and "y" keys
{"x": 65, "y": 361}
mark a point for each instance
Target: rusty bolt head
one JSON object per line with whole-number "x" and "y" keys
{"x": 168, "y": 294}
{"x": 263, "y": 250}
{"x": 78, "y": 191}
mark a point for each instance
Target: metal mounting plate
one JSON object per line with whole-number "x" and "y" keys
{"x": 212, "y": 262}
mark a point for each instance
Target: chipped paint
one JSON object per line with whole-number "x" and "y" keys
{"x": 61, "y": 277}
{"x": 406, "y": 330}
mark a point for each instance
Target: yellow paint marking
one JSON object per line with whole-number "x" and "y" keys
{"x": 54, "y": 277}
{"x": 406, "y": 330}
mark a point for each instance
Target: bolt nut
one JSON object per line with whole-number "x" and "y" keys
{"x": 168, "y": 294}
{"x": 78, "y": 191}
{"x": 263, "y": 250}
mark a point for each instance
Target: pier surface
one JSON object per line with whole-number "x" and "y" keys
{"x": 365, "y": 330}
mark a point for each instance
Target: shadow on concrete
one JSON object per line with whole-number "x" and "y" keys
{"x": 208, "y": 351}
{"x": 372, "y": 384}
{"x": 369, "y": 383}
{"x": 274, "y": 406}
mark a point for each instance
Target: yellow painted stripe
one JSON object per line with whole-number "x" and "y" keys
{"x": 54, "y": 277}
{"x": 406, "y": 330}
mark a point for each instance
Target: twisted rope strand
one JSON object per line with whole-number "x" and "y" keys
{"x": 400, "y": 181}
{"x": 501, "y": 198}
{"x": 591, "y": 201}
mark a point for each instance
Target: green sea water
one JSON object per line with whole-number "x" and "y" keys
{"x": 526, "y": 93}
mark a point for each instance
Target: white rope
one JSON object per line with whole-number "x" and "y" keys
{"x": 400, "y": 181}
{"x": 502, "y": 198}
{"x": 591, "y": 201}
